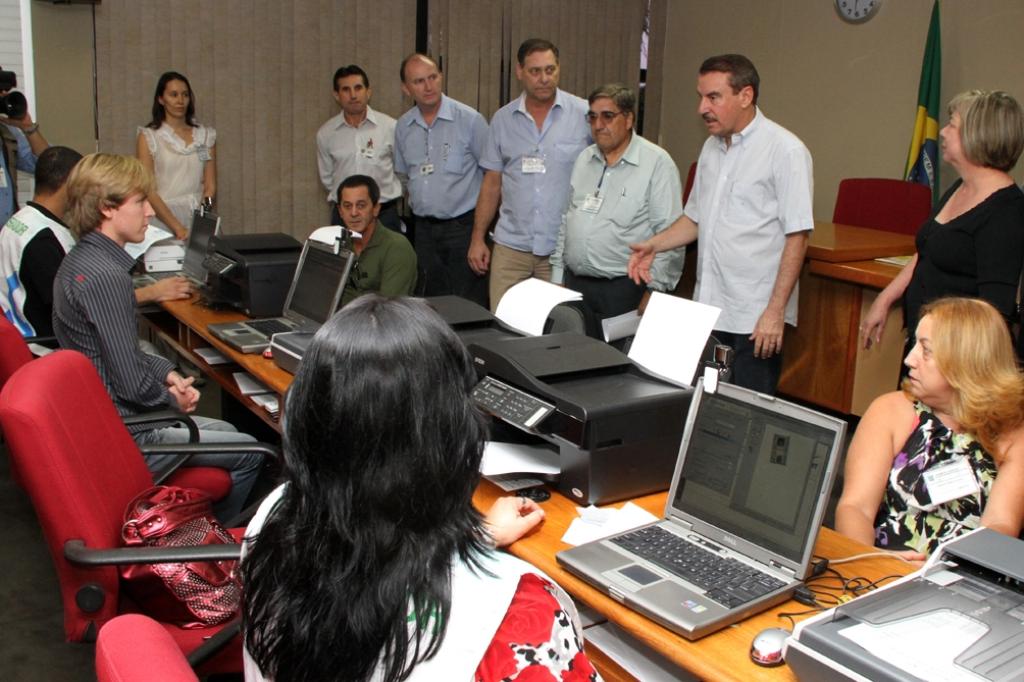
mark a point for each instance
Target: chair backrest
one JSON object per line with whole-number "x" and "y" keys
{"x": 136, "y": 648}
{"x": 883, "y": 204}
{"x": 14, "y": 351}
{"x": 80, "y": 467}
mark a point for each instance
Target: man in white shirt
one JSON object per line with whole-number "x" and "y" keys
{"x": 751, "y": 206}
{"x": 358, "y": 141}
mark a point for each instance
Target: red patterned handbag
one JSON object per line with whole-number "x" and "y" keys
{"x": 194, "y": 594}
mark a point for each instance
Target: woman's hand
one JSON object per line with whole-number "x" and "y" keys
{"x": 873, "y": 324}
{"x": 510, "y": 518}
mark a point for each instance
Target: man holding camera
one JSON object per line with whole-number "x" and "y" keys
{"x": 22, "y": 143}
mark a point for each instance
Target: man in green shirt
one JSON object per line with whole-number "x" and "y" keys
{"x": 385, "y": 260}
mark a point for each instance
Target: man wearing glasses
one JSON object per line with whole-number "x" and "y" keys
{"x": 527, "y": 159}
{"x": 623, "y": 190}
{"x": 751, "y": 205}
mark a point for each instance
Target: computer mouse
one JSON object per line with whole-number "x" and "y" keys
{"x": 766, "y": 649}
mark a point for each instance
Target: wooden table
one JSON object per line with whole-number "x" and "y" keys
{"x": 720, "y": 656}
{"x": 823, "y": 363}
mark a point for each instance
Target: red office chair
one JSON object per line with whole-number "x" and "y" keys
{"x": 883, "y": 204}
{"x": 135, "y": 648}
{"x": 81, "y": 467}
{"x": 14, "y": 351}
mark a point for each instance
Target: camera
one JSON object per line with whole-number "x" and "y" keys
{"x": 13, "y": 104}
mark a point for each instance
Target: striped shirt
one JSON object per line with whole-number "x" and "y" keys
{"x": 94, "y": 313}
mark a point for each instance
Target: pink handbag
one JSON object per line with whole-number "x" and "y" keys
{"x": 192, "y": 594}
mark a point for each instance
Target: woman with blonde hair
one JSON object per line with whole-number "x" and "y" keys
{"x": 944, "y": 455}
{"x": 973, "y": 243}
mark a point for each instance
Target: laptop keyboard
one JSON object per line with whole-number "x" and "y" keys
{"x": 269, "y": 327}
{"x": 727, "y": 581}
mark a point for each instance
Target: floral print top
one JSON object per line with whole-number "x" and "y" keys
{"x": 906, "y": 518}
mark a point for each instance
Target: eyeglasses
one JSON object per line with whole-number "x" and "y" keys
{"x": 606, "y": 116}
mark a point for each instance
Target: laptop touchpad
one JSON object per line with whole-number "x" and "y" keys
{"x": 638, "y": 575}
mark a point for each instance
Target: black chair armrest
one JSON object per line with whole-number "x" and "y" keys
{"x": 76, "y": 552}
{"x": 47, "y": 341}
{"x": 211, "y": 448}
{"x": 213, "y": 644}
{"x": 166, "y": 416}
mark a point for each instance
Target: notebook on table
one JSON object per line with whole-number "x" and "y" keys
{"x": 205, "y": 226}
{"x": 313, "y": 297}
{"x": 749, "y": 491}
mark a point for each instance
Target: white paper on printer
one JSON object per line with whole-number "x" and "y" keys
{"x": 153, "y": 235}
{"x": 526, "y": 306}
{"x": 924, "y": 646}
{"x": 594, "y": 524}
{"x": 507, "y": 458}
{"x": 672, "y": 335}
{"x": 620, "y": 326}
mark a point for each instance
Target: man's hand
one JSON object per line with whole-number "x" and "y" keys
{"x": 168, "y": 289}
{"x": 767, "y": 336}
{"x": 184, "y": 394}
{"x": 640, "y": 261}
{"x": 178, "y": 229}
{"x": 479, "y": 256}
{"x": 510, "y": 518}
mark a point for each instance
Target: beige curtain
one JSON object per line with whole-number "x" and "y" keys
{"x": 598, "y": 42}
{"x": 261, "y": 71}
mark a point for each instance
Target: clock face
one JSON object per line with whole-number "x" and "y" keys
{"x": 857, "y": 11}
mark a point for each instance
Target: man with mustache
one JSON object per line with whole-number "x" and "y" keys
{"x": 751, "y": 207}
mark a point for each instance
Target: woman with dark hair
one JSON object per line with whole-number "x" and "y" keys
{"x": 180, "y": 153}
{"x": 370, "y": 562}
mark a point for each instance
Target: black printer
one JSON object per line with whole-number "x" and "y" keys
{"x": 470, "y": 321}
{"x": 616, "y": 428}
{"x": 252, "y": 272}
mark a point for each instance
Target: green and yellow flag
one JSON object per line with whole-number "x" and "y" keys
{"x": 923, "y": 159}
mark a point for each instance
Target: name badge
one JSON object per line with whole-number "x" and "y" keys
{"x": 367, "y": 153}
{"x": 950, "y": 481}
{"x": 533, "y": 164}
{"x": 592, "y": 203}
{"x": 3, "y": 179}
{"x": 203, "y": 152}
{"x": 426, "y": 169}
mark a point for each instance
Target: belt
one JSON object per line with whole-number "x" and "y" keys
{"x": 434, "y": 220}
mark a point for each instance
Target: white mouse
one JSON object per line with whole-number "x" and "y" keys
{"x": 766, "y": 649}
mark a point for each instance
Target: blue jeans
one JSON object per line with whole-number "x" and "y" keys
{"x": 243, "y": 467}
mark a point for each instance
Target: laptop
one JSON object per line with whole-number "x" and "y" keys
{"x": 205, "y": 226}
{"x": 749, "y": 491}
{"x": 313, "y": 297}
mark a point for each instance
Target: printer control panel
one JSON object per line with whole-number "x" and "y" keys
{"x": 509, "y": 403}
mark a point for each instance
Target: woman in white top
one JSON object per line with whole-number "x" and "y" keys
{"x": 180, "y": 153}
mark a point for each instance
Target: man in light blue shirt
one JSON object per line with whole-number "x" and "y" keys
{"x": 22, "y": 144}
{"x": 437, "y": 147}
{"x": 531, "y": 147}
{"x": 624, "y": 189}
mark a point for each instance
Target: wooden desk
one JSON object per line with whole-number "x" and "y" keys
{"x": 823, "y": 363}
{"x": 721, "y": 656}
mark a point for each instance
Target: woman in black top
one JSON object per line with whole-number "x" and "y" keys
{"x": 973, "y": 244}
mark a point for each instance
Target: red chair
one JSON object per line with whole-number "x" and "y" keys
{"x": 14, "y": 351}
{"x": 883, "y": 204}
{"x": 135, "y": 648}
{"x": 81, "y": 467}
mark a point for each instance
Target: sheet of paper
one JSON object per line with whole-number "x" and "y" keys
{"x": 212, "y": 356}
{"x": 594, "y": 525}
{"x": 672, "y": 335}
{"x": 248, "y": 384}
{"x": 924, "y": 646}
{"x": 153, "y": 235}
{"x": 526, "y": 306}
{"x": 620, "y": 326}
{"x": 507, "y": 458}
{"x": 634, "y": 656}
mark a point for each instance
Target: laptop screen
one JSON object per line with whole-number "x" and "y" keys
{"x": 204, "y": 227}
{"x": 316, "y": 282}
{"x": 754, "y": 472}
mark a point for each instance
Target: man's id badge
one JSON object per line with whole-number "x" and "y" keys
{"x": 366, "y": 152}
{"x": 592, "y": 203}
{"x": 533, "y": 164}
{"x": 950, "y": 481}
{"x": 426, "y": 169}
{"x": 3, "y": 179}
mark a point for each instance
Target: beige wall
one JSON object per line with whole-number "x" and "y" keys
{"x": 848, "y": 91}
{"x": 63, "y": 40}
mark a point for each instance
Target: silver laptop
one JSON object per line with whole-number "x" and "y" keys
{"x": 205, "y": 226}
{"x": 748, "y": 495}
{"x": 313, "y": 297}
